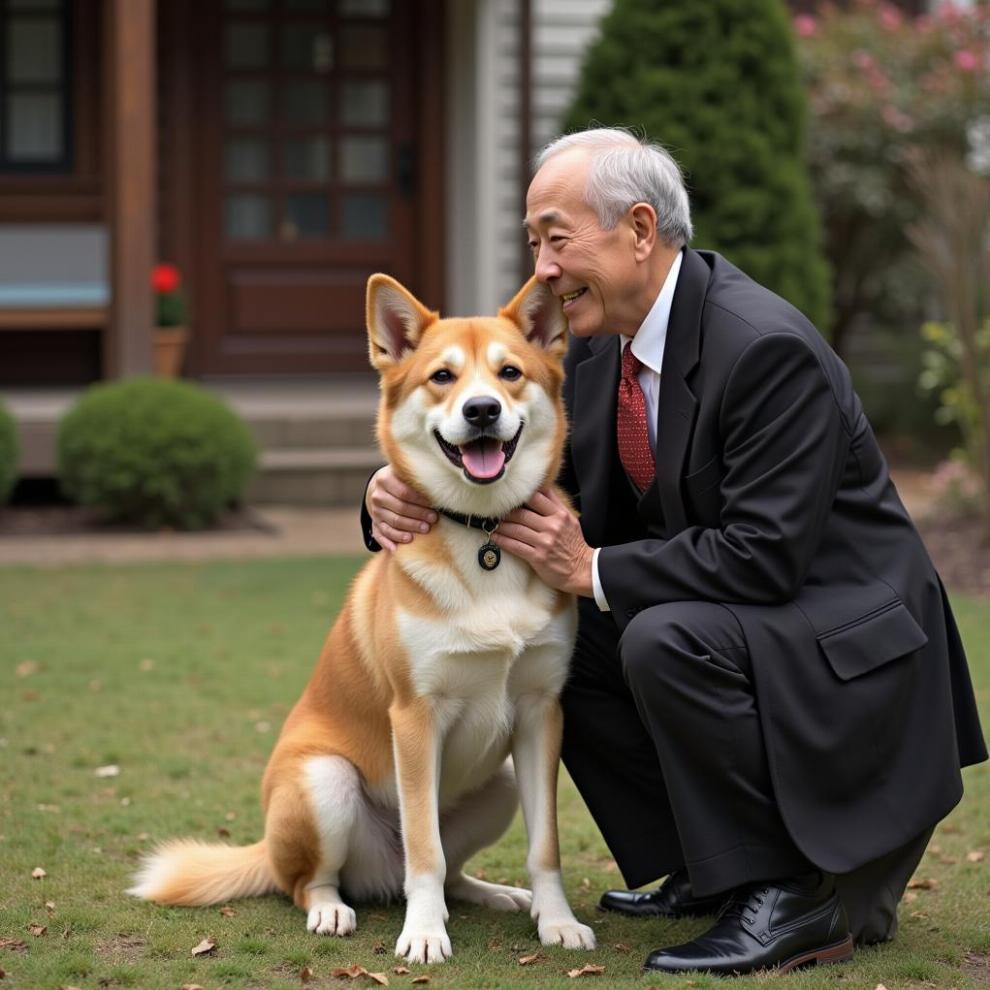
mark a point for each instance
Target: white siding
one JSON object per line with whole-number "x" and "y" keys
{"x": 485, "y": 193}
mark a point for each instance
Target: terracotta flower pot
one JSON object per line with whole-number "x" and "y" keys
{"x": 170, "y": 349}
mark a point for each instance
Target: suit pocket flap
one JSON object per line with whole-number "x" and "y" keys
{"x": 873, "y": 640}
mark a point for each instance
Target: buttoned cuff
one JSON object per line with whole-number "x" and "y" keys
{"x": 596, "y": 582}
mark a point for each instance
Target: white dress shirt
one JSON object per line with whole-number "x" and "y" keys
{"x": 647, "y": 344}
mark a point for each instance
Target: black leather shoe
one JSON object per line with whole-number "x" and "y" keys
{"x": 782, "y": 924}
{"x": 672, "y": 899}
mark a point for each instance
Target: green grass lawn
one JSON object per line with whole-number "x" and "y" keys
{"x": 181, "y": 675}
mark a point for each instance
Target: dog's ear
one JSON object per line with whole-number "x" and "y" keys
{"x": 396, "y": 321}
{"x": 540, "y": 316}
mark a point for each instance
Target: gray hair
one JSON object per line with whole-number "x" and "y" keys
{"x": 624, "y": 171}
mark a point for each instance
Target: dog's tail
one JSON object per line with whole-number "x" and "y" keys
{"x": 191, "y": 873}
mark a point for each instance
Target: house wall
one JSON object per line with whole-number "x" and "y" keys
{"x": 486, "y": 263}
{"x": 561, "y": 32}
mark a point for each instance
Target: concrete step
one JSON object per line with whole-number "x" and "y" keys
{"x": 314, "y": 477}
{"x": 316, "y": 438}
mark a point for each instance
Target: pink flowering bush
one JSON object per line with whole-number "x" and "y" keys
{"x": 883, "y": 86}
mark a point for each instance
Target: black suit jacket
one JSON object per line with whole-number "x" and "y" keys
{"x": 772, "y": 497}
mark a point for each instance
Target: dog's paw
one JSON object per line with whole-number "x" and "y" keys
{"x": 497, "y": 896}
{"x": 331, "y": 919}
{"x": 423, "y": 948}
{"x": 568, "y": 932}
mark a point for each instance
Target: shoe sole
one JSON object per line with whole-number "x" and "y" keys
{"x": 840, "y": 952}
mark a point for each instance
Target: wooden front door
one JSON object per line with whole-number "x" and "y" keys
{"x": 319, "y": 165}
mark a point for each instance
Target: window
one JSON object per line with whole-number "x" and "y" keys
{"x": 35, "y": 85}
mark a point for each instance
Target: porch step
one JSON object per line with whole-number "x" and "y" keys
{"x": 316, "y": 438}
{"x": 314, "y": 476}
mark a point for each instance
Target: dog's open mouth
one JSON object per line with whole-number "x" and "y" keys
{"x": 483, "y": 459}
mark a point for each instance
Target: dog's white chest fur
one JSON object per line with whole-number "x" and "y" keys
{"x": 498, "y": 639}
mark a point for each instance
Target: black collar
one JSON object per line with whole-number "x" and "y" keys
{"x": 484, "y": 523}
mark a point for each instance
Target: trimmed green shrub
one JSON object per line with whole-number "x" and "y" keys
{"x": 717, "y": 84}
{"x": 8, "y": 453}
{"x": 155, "y": 452}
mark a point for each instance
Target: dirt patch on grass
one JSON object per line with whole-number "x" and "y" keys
{"x": 976, "y": 965}
{"x": 121, "y": 948}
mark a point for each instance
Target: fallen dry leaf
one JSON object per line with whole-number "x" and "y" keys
{"x": 355, "y": 971}
{"x": 37, "y": 930}
{"x": 38, "y": 873}
{"x": 879, "y": 986}
{"x": 910, "y": 897}
{"x": 587, "y": 970}
{"x": 49, "y": 905}
{"x": 529, "y": 960}
{"x": 146, "y": 665}
{"x": 227, "y": 911}
{"x": 110, "y": 770}
{"x": 401, "y": 970}
{"x": 27, "y": 668}
{"x": 621, "y": 947}
{"x": 420, "y": 979}
{"x": 66, "y": 986}
{"x": 585, "y": 884}
{"x": 306, "y": 974}
{"x": 351, "y": 971}
{"x": 975, "y": 856}
{"x": 204, "y": 947}
{"x": 929, "y": 883}
{"x": 14, "y": 944}
{"x": 191, "y": 986}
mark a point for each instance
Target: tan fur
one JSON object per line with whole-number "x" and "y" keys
{"x": 421, "y": 654}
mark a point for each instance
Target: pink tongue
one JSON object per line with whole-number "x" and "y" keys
{"x": 483, "y": 458}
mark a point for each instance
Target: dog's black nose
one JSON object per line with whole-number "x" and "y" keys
{"x": 482, "y": 411}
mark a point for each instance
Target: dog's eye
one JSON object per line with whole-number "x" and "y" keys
{"x": 441, "y": 377}
{"x": 510, "y": 373}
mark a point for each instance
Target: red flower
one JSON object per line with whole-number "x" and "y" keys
{"x": 165, "y": 278}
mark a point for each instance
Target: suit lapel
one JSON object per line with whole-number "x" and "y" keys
{"x": 593, "y": 432}
{"x": 678, "y": 406}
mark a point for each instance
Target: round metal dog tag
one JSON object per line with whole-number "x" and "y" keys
{"x": 489, "y": 556}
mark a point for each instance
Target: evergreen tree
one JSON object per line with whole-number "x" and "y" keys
{"x": 717, "y": 83}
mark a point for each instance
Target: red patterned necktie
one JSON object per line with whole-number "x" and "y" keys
{"x": 630, "y": 424}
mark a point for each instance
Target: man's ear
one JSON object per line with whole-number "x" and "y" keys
{"x": 540, "y": 316}
{"x": 396, "y": 321}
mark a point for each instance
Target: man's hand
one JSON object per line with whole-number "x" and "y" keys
{"x": 397, "y": 511}
{"x": 548, "y": 537}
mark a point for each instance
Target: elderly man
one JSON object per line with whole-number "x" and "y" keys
{"x": 769, "y": 703}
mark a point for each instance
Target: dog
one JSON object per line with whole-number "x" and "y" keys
{"x": 393, "y": 767}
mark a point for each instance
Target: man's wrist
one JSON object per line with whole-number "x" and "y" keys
{"x": 584, "y": 581}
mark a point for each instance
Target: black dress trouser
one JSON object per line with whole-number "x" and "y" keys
{"x": 662, "y": 738}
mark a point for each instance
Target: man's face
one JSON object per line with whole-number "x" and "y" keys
{"x": 594, "y": 271}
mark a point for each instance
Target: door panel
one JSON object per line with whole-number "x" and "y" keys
{"x": 309, "y": 115}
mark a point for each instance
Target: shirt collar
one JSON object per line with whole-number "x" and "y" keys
{"x": 649, "y": 340}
